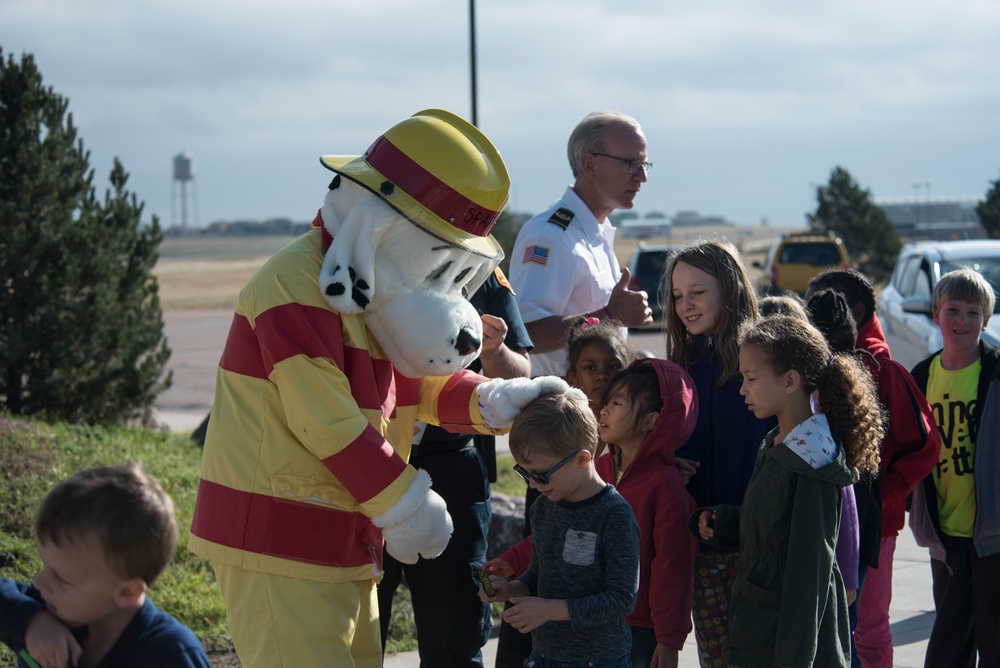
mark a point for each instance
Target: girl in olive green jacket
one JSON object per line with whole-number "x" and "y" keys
{"x": 788, "y": 604}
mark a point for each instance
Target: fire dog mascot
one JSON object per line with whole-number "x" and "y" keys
{"x": 340, "y": 343}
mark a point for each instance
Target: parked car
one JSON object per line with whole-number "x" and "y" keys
{"x": 646, "y": 267}
{"x": 796, "y": 258}
{"x": 904, "y": 305}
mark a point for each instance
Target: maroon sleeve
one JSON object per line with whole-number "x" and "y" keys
{"x": 912, "y": 444}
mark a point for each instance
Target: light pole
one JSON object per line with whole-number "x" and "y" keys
{"x": 472, "y": 58}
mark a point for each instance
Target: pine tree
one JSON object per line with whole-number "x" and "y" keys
{"x": 847, "y": 210}
{"x": 989, "y": 211}
{"x": 81, "y": 330}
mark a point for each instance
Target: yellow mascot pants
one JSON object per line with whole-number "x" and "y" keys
{"x": 282, "y": 622}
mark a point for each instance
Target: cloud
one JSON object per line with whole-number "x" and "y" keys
{"x": 744, "y": 104}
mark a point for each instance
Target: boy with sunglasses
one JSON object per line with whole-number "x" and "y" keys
{"x": 583, "y": 577}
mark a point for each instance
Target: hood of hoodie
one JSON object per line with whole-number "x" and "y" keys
{"x": 811, "y": 451}
{"x": 872, "y": 338}
{"x": 678, "y": 415}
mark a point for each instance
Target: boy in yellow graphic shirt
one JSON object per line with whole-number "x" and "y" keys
{"x": 956, "y": 511}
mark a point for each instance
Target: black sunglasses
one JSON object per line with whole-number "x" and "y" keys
{"x": 542, "y": 478}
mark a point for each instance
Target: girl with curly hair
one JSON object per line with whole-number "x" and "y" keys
{"x": 789, "y": 605}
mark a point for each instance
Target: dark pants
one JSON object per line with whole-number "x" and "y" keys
{"x": 643, "y": 646}
{"x": 514, "y": 647}
{"x": 852, "y": 614}
{"x": 452, "y": 623}
{"x": 967, "y": 604}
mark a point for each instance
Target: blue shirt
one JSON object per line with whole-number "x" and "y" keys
{"x": 153, "y": 639}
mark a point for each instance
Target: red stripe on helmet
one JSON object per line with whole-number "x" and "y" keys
{"x": 433, "y": 193}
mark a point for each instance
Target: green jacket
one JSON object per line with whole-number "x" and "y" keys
{"x": 788, "y": 605}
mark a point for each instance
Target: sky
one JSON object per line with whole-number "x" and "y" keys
{"x": 747, "y": 106}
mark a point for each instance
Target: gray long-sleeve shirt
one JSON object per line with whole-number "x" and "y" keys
{"x": 586, "y": 553}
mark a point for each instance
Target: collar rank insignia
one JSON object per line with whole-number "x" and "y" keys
{"x": 562, "y": 217}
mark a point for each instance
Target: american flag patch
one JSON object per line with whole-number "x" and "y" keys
{"x": 536, "y": 254}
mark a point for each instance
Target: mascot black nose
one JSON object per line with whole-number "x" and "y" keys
{"x": 467, "y": 342}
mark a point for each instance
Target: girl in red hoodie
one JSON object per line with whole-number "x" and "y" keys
{"x": 649, "y": 411}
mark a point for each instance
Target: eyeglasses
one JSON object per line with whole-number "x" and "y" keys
{"x": 542, "y": 478}
{"x": 633, "y": 165}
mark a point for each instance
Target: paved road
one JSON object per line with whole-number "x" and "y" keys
{"x": 197, "y": 339}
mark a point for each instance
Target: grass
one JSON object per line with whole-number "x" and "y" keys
{"x": 34, "y": 456}
{"x": 508, "y": 482}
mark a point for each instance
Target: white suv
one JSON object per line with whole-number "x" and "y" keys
{"x": 904, "y": 305}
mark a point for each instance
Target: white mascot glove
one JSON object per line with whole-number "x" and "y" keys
{"x": 418, "y": 525}
{"x": 501, "y": 400}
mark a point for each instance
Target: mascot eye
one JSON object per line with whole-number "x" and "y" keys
{"x": 460, "y": 280}
{"x": 439, "y": 272}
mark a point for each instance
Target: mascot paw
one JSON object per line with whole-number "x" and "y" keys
{"x": 500, "y": 401}
{"x": 418, "y": 525}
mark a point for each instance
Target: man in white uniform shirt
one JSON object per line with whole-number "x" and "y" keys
{"x": 563, "y": 266}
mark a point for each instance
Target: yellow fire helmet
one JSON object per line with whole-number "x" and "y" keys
{"x": 441, "y": 173}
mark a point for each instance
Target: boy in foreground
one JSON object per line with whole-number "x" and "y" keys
{"x": 583, "y": 577}
{"x": 104, "y": 535}
{"x": 956, "y": 510}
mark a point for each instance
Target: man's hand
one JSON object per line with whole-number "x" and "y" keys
{"x": 50, "y": 643}
{"x": 627, "y": 307}
{"x": 494, "y": 332}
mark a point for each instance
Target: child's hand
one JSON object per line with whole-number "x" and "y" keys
{"x": 664, "y": 656}
{"x": 499, "y": 566}
{"x": 705, "y": 522}
{"x": 687, "y": 467}
{"x": 50, "y": 643}
{"x": 500, "y": 585}
{"x": 852, "y": 595}
{"x": 529, "y": 612}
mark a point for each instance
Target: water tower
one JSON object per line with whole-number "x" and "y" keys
{"x": 183, "y": 174}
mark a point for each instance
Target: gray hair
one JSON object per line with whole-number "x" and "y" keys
{"x": 587, "y": 135}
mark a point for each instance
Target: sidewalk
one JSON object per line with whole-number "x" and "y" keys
{"x": 911, "y": 614}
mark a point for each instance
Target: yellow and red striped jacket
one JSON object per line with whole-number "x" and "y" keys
{"x": 310, "y": 430}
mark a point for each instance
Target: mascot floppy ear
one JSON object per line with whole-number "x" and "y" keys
{"x": 355, "y": 219}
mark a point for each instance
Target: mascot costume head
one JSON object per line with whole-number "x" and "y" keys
{"x": 410, "y": 267}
